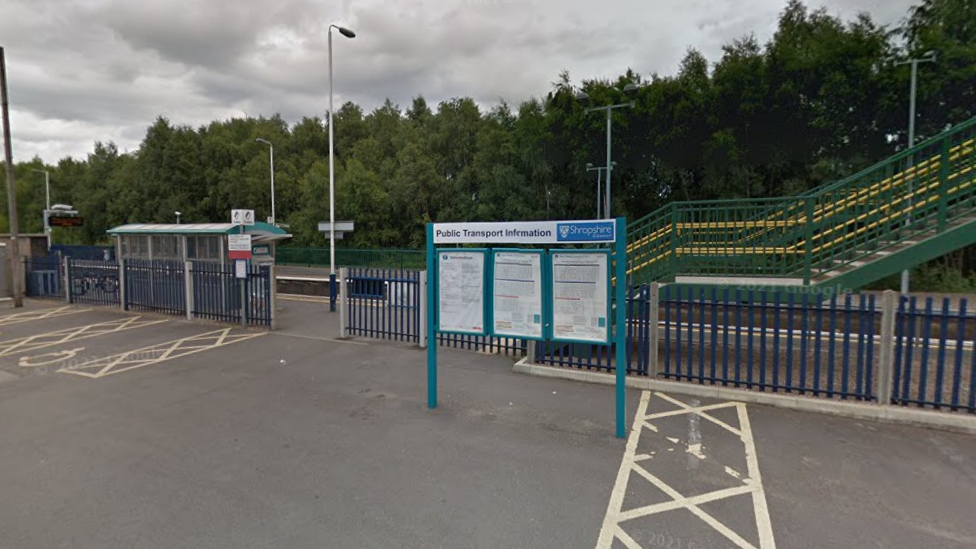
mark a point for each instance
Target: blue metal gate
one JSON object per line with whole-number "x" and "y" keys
{"x": 93, "y": 282}
{"x": 384, "y": 303}
{"x": 157, "y": 286}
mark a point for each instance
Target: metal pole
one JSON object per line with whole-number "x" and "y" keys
{"x": 905, "y": 275}
{"x": 599, "y": 186}
{"x": 331, "y": 167}
{"x": 332, "y": 277}
{"x": 11, "y": 192}
{"x": 47, "y": 217}
{"x": 606, "y": 202}
{"x": 243, "y": 294}
{"x": 274, "y": 220}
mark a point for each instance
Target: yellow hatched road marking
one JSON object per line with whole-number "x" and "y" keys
{"x": 27, "y": 316}
{"x": 40, "y": 341}
{"x": 161, "y": 352}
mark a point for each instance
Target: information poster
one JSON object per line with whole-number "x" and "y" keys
{"x": 517, "y": 294}
{"x": 461, "y": 291}
{"x": 580, "y": 293}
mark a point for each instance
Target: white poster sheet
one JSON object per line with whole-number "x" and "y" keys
{"x": 517, "y": 294}
{"x": 461, "y": 291}
{"x": 580, "y": 293}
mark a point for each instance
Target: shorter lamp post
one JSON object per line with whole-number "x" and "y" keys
{"x": 600, "y": 214}
{"x": 631, "y": 90}
{"x": 271, "y": 153}
{"x": 47, "y": 210}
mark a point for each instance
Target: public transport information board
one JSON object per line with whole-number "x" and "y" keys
{"x": 461, "y": 285}
{"x": 580, "y": 297}
{"x": 517, "y": 294}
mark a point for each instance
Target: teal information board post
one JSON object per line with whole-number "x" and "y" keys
{"x": 460, "y": 283}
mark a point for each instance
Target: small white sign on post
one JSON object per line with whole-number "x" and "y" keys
{"x": 242, "y": 217}
{"x": 240, "y": 268}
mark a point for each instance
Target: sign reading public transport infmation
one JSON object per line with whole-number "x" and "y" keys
{"x": 517, "y": 294}
{"x": 526, "y": 232}
{"x": 581, "y": 296}
{"x": 461, "y": 291}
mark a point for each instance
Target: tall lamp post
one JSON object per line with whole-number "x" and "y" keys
{"x": 47, "y": 209}
{"x": 270, "y": 152}
{"x": 332, "y": 277}
{"x": 600, "y": 214}
{"x": 927, "y": 57}
{"x": 631, "y": 90}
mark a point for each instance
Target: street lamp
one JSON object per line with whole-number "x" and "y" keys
{"x": 178, "y": 214}
{"x": 631, "y": 90}
{"x": 600, "y": 214}
{"x": 927, "y": 57}
{"x": 271, "y": 152}
{"x": 348, "y": 34}
{"x": 47, "y": 210}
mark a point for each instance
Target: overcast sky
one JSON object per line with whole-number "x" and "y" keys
{"x": 82, "y": 71}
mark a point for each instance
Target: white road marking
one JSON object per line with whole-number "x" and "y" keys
{"x": 35, "y": 361}
{"x": 610, "y": 529}
{"x": 27, "y": 316}
{"x": 66, "y": 335}
{"x": 632, "y": 462}
{"x": 763, "y": 522}
{"x": 694, "y": 449}
{"x": 162, "y": 352}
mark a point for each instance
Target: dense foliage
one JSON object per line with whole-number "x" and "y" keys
{"x": 820, "y": 100}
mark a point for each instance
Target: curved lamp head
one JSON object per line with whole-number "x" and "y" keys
{"x": 265, "y": 141}
{"x": 631, "y": 89}
{"x": 582, "y": 97}
{"x": 345, "y": 32}
{"x": 589, "y": 164}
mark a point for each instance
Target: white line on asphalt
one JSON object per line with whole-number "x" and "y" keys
{"x": 611, "y": 529}
{"x": 27, "y": 316}
{"x": 161, "y": 352}
{"x": 66, "y": 335}
{"x": 763, "y": 522}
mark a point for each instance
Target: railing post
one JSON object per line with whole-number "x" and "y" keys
{"x": 422, "y": 339}
{"x": 674, "y": 237}
{"x": 272, "y": 273}
{"x": 332, "y": 292}
{"x": 188, "y": 288}
{"x": 123, "y": 290}
{"x": 944, "y": 185}
{"x": 886, "y": 355}
{"x": 809, "y": 210}
{"x": 67, "y": 280}
{"x": 343, "y": 300}
{"x": 654, "y": 330}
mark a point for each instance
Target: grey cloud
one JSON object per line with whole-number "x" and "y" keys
{"x": 87, "y": 70}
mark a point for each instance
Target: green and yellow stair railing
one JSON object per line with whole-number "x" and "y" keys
{"x": 921, "y": 190}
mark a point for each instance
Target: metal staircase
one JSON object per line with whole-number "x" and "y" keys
{"x": 908, "y": 209}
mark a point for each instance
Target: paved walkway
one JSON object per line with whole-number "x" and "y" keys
{"x": 297, "y": 440}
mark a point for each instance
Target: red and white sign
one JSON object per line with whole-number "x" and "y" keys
{"x": 239, "y": 246}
